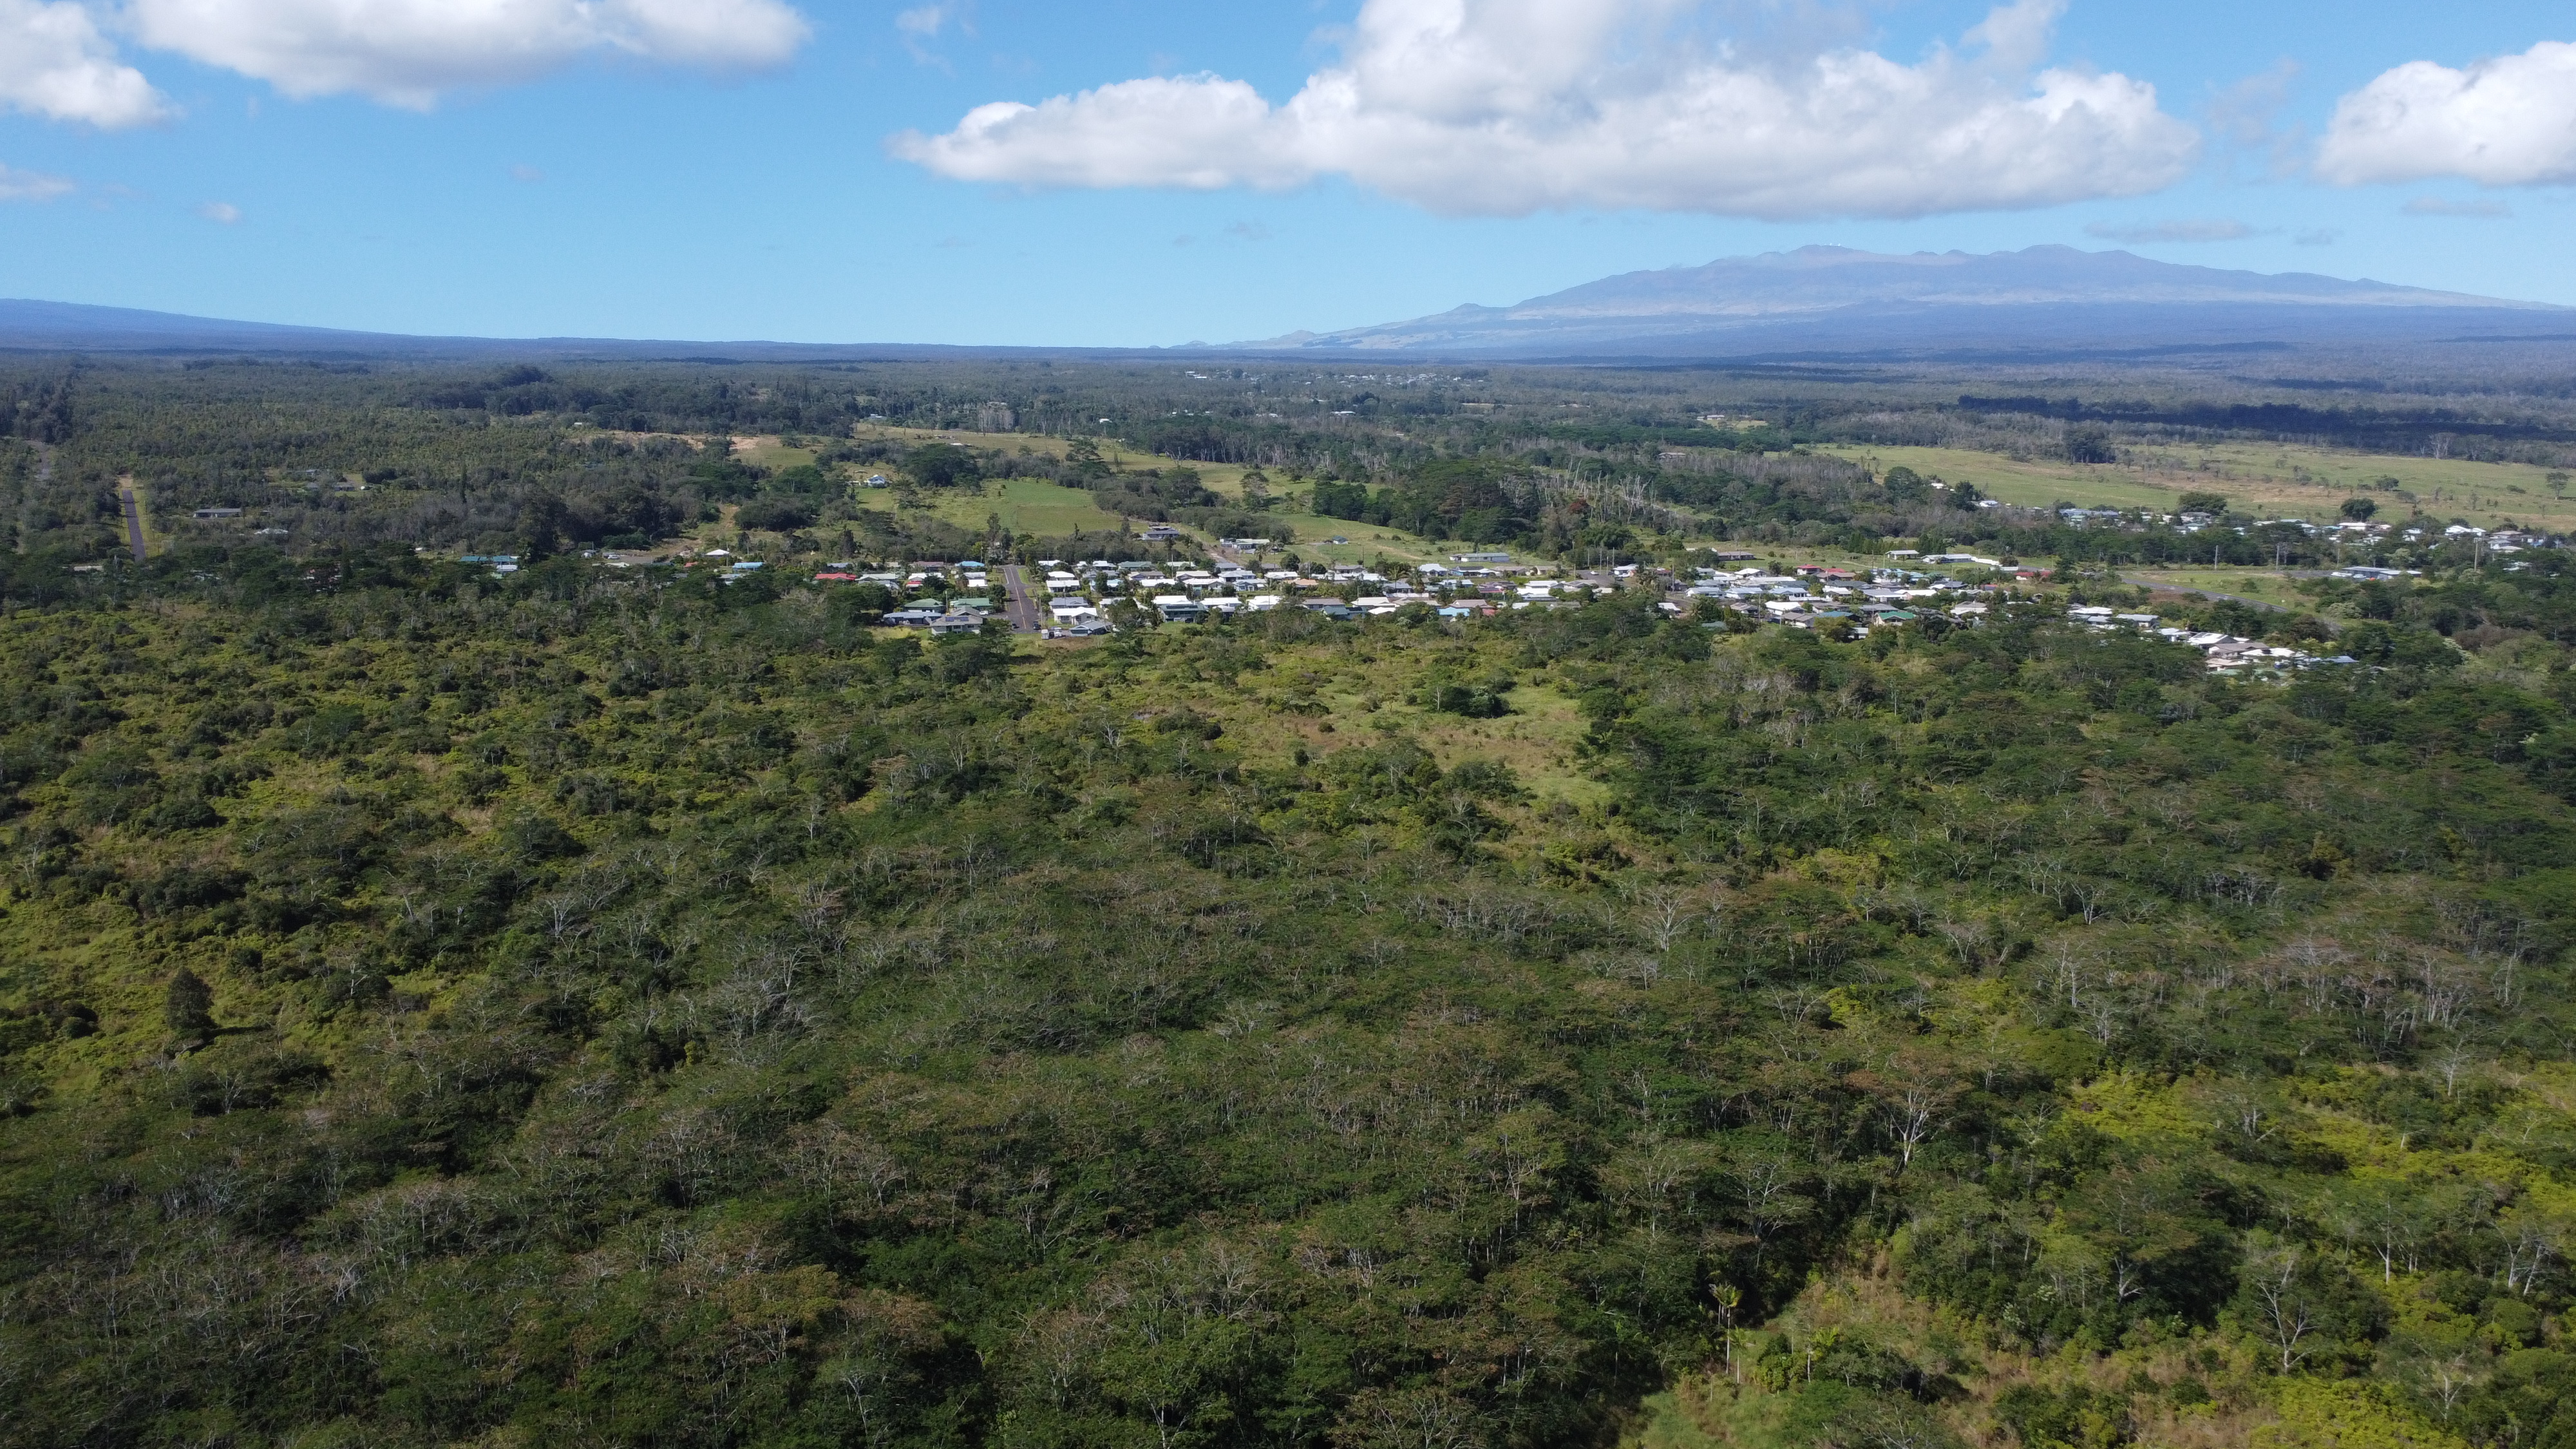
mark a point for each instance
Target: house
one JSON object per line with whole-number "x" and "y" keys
{"x": 1180, "y": 610}
{"x": 957, "y": 624}
{"x": 209, "y": 514}
{"x": 1480, "y": 558}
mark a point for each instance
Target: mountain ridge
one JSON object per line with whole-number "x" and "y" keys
{"x": 34, "y": 325}
{"x": 1814, "y": 300}
{"x": 1849, "y": 298}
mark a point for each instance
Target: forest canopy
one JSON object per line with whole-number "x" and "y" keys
{"x": 617, "y": 1005}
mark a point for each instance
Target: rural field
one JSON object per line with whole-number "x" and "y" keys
{"x": 2297, "y": 482}
{"x": 1034, "y": 506}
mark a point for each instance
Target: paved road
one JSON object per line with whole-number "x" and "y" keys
{"x": 1024, "y": 612}
{"x": 133, "y": 517}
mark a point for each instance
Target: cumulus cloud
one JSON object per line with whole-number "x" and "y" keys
{"x": 2509, "y": 121}
{"x": 222, "y": 213}
{"x": 17, "y": 185}
{"x": 53, "y": 62}
{"x": 409, "y": 52}
{"x": 2213, "y": 230}
{"x": 1505, "y": 107}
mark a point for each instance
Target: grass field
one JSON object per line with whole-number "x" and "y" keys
{"x": 2267, "y": 586}
{"x": 1024, "y": 505}
{"x": 2289, "y": 482}
{"x": 1310, "y": 531}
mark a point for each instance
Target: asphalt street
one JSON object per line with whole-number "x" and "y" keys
{"x": 133, "y": 518}
{"x": 1024, "y": 612}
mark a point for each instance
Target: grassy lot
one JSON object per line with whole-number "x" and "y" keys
{"x": 2295, "y": 482}
{"x": 2262, "y": 585}
{"x": 1025, "y": 505}
{"x": 1367, "y": 544}
{"x": 1538, "y": 739}
{"x": 770, "y": 453}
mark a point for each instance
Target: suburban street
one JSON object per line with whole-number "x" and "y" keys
{"x": 1024, "y": 612}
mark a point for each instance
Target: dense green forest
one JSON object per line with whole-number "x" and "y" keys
{"x": 611, "y": 1006}
{"x": 607, "y": 1008}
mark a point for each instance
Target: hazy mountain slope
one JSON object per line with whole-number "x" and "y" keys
{"x": 1840, "y": 299}
{"x": 38, "y": 326}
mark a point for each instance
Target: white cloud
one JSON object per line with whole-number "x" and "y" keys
{"x": 53, "y": 62}
{"x": 17, "y": 185}
{"x": 222, "y": 213}
{"x": 1504, "y": 107}
{"x": 922, "y": 22}
{"x": 2212, "y": 230}
{"x": 2509, "y": 121}
{"x": 409, "y": 52}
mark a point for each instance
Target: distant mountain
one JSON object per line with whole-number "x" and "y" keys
{"x": 70, "y": 326}
{"x": 29, "y": 326}
{"x": 1833, "y": 299}
{"x": 1815, "y": 300}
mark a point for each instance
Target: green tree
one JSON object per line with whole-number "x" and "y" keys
{"x": 541, "y": 528}
{"x": 188, "y": 1007}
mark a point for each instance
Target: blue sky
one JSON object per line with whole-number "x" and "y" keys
{"x": 723, "y": 170}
